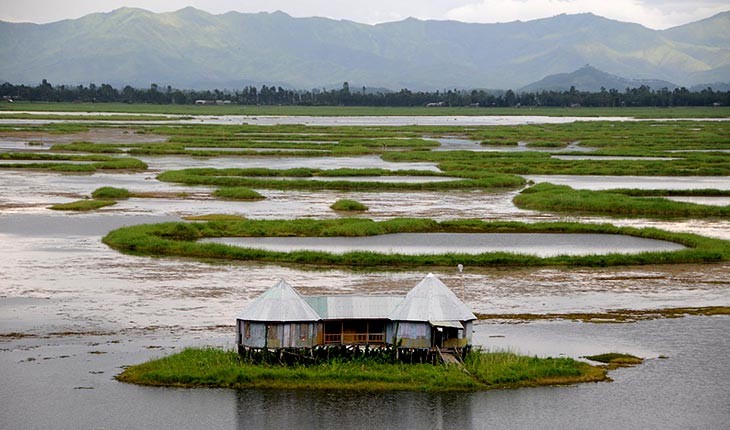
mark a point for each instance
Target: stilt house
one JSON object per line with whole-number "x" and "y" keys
{"x": 429, "y": 316}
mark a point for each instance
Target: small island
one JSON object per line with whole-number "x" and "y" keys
{"x": 421, "y": 342}
{"x": 218, "y": 368}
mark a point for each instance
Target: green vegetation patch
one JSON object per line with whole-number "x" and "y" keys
{"x": 111, "y": 193}
{"x": 562, "y": 198}
{"x": 210, "y": 367}
{"x": 237, "y": 193}
{"x": 83, "y": 205}
{"x": 179, "y": 239}
{"x": 266, "y": 178}
{"x": 60, "y": 162}
{"x": 616, "y": 359}
{"x": 348, "y": 205}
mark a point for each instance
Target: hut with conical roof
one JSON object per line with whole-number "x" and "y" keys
{"x": 429, "y": 316}
{"x": 279, "y": 318}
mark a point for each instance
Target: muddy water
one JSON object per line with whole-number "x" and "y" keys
{"x": 540, "y": 244}
{"x": 161, "y": 163}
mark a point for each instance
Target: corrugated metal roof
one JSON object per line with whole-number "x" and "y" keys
{"x": 353, "y": 307}
{"x": 279, "y": 303}
{"x": 454, "y": 324}
{"x": 431, "y": 300}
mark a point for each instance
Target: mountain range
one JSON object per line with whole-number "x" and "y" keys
{"x": 191, "y": 48}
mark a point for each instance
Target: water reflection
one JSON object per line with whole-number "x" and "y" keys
{"x": 337, "y": 410}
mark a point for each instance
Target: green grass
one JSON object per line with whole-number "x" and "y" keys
{"x": 83, "y": 205}
{"x": 348, "y": 205}
{"x": 562, "y": 198}
{"x": 261, "y": 178}
{"x": 59, "y": 162}
{"x": 616, "y": 359}
{"x": 179, "y": 239}
{"x": 677, "y": 112}
{"x": 237, "y": 193}
{"x": 210, "y": 367}
{"x": 540, "y": 163}
{"x": 110, "y": 193}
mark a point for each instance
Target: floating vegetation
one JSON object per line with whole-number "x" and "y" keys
{"x": 562, "y": 198}
{"x": 348, "y": 206}
{"x": 179, "y": 239}
{"x": 83, "y": 205}
{"x": 69, "y": 162}
{"x": 261, "y": 178}
{"x": 111, "y": 193}
{"x": 237, "y": 193}
{"x": 616, "y": 359}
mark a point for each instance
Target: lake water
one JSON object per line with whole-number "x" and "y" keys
{"x": 65, "y": 382}
{"x": 84, "y": 311}
{"x": 541, "y": 244}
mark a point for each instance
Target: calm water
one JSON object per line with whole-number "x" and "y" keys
{"x": 68, "y": 385}
{"x": 541, "y": 244}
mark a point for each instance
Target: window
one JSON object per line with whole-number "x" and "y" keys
{"x": 247, "y": 329}
{"x": 303, "y": 331}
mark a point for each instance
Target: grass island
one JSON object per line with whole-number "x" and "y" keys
{"x": 180, "y": 239}
{"x": 212, "y": 367}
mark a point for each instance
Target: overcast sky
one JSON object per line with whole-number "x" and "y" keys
{"x": 656, "y": 14}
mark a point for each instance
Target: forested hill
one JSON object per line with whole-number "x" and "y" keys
{"x": 190, "y": 48}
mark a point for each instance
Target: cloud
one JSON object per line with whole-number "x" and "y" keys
{"x": 652, "y": 13}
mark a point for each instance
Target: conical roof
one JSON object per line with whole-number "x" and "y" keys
{"x": 279, "y": 303}
{"x": 431, "y": 300}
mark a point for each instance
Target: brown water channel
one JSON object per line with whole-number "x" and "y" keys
{"x": 540, "y": 244}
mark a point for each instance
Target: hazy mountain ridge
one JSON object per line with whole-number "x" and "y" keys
{"x": 191, "y": 48}
{"x": 588, "y": 78}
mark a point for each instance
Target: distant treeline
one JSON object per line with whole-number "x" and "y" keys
{"x": 250, "y": 95}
